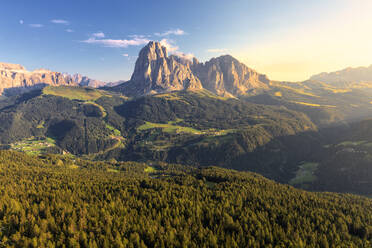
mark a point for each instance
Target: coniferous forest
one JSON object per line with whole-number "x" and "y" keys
{"x": 60, "y": 201}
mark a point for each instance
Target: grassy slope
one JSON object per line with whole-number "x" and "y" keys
{"x": 305, "y": 174}
{"x": 74, "y": 93}
{"x": 33, "y": 146}
{"x": 173, "y": 96}
{"x": 170, "y": 127}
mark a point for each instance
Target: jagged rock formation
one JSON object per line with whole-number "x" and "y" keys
{"x": 226, "y": 76}
{"x": 85, "y": 81}
{"x": 7, "y": 66}
{"x": 15, "y": 79}
{"x": 155, "y": 72}
{"x": 348, "y": 75}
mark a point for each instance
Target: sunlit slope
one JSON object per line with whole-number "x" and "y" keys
{"x": 323, "y": 102}
{"x": 75, "y": 93}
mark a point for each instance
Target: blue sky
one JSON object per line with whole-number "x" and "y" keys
{"x": 287, "y": 40}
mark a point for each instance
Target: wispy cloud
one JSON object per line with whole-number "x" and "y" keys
{"x": 172, "y": 32}
{"x": 169, "y": 44}
{"x": 140, "y": 36}
{"x": 21, "y": 22}
{"x": 187, "y": 56}
{"x": 98, "y": 35}
{"x": 60, "y": 21}
{"x": 116, "y": 43}
{"x": 217, "y": 50}
{"x": 69, "y": 30}
{"x": 125, "y": 55}
{"x": 36, "y": 25}
{"x": 173, "y": 49}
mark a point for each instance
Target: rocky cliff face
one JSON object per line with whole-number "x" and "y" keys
{"x": 16, "y": 79}
{"x": 155, "y": 72}
{"x": 7, "y": 66}
{"x": 226, "y": 76}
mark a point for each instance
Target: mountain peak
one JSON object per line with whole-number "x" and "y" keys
{"x": 153, "y": 50}
{"x": 156, "y": 72}
{"x": 227, "y": 57}
{"x": 8, "y": 66}
{"x": 225, "y": 75}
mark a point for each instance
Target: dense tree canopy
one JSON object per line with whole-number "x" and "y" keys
{"x": 56, "y": 201}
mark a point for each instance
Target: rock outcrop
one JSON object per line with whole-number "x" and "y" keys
{"x": 15, "y": 79}
{"x": 155, "y": 72}
{"x": 226, "y": 76}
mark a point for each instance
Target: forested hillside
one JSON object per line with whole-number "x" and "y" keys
{"x": 190, "y": 128}
{"x": 56, "y": 201}
{"x": 185, "y": 127}
{"x": 344, "y": 164}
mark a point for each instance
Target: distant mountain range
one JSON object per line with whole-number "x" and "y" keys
{"x": 348, "y": 75}
{"x": 15, "y": 79}
{"x": 156, "y": 72}
{"x": 85, "y": 81}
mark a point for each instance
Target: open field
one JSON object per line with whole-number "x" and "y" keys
{"x": 305, "y": 174}
{"x": 33, "y": 146}
{"x": 206, "y": 93}
{"x": 168, "y": 96}
{"x": 169, "y": 127}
